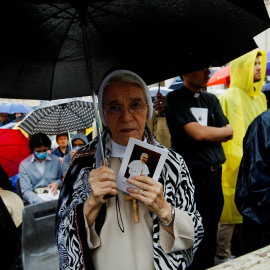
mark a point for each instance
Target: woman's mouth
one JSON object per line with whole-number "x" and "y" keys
{"x": 127, "y": 130}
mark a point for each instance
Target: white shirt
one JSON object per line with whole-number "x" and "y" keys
{"x": 136, "y": 167}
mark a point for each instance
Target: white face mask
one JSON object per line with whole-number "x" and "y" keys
{"x": 76, "y": 148}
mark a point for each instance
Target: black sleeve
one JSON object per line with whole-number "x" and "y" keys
{"x": 5, "y": 183}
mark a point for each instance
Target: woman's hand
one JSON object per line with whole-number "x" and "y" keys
{"x": 71, "y": 153}
{"x": 102, "y": 182}
{"x": 150, "y": 192}
{"x": 160, "y": 104}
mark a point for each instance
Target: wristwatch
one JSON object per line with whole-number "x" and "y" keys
{"x": 171, "y": 220}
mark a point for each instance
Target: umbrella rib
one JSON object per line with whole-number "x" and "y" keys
{"x": 109, "y": 12}
{"x": 64, "y": 10}
{"x": 54, "y": 15}
{"x": 59, "y": 49}
{"x": 10, "y": 160}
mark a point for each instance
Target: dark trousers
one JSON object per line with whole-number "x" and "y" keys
{"x": 209, "y": 200}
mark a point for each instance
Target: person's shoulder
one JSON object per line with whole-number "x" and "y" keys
{"x": 177, "y": 97}
{"x": 171, "y": 93}
{"x": 53, "y": 157}
{"x": 209, "y": 95}
{"x": 26, "y": 161}
{"x": 173, "y": 154}
{"x": 263, "y": 118}
{"x": 175, "y": 162}
{"x": 56, "y": 152}
{"x": 174, "y": 93}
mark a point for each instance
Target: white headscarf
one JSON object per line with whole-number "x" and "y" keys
{"x": 137, "y": 79}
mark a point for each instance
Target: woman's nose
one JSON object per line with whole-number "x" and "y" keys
{"x": 126, "y": 115}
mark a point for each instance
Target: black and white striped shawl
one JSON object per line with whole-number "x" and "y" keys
{"x": 70, "y": 225}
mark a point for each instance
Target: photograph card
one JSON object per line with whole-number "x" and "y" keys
{"x": 140, "y": 159}
{"x": 200, "y": 114}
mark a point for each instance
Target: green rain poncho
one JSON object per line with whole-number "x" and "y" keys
{"x": 241, "y": 103}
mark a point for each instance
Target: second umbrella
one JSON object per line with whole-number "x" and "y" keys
{"x": 10, "y": 107}
{"x": 60, "y": 116}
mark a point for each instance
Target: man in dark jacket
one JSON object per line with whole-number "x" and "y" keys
{"x": 252, "y": 195}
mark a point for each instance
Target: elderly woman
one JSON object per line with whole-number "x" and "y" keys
{"x": 97, "y": 232}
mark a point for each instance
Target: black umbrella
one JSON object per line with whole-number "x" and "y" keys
{"x": 54, "y": 49}
{"x": 42, "y": 49}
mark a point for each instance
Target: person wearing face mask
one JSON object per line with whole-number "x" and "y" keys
{"x": 40, "y": 169}
{"x": 79, "y": 140}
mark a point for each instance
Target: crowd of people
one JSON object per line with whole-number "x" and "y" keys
{"x": 216, "y": 174}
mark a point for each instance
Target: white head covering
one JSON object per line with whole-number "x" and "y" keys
{"x": 138, "y": 80}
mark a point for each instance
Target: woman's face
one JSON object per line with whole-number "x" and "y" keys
{"x": 62, "y": 141}
{"x": 127, "y": 124}
{"x": 78, "y": 143}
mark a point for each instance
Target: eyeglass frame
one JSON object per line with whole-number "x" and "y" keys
{"x": 114, "y": 114}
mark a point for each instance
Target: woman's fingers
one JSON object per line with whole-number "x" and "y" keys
{"x": 142, "y": 182}
{"x": 149, "y": 191}
{"x": 102, "y": 182}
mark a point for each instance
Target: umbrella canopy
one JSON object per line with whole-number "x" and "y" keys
{"x": 15, "y": 108}
{"x": 9, "y": 125}
{"x": 221, "y": 76}
{"x": 154, "y": 90}
{"x": 13, "y": 149}
{"x": 54, "y": 37}
{"x": 60, "y": 116}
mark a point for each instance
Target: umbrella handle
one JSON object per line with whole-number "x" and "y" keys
{"x": 82, "y": 12}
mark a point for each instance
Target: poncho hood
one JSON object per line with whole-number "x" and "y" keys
{"x": 242, "y": 73}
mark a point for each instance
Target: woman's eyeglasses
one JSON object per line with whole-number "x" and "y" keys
{"x": 134, "y": 108}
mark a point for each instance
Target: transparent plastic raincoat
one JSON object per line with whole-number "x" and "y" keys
{"x": 241, "y": 103}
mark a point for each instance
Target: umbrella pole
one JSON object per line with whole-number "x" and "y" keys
{"x": 69, "y": 140}
{"x": 90, "y": 70}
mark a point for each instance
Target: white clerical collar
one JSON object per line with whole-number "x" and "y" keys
{"x": 196, "y": 95}
{"x": 119, "y": 150}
